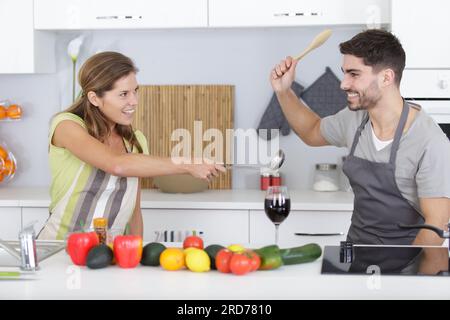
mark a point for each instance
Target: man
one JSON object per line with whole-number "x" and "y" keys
{"x": 399, "y": 160}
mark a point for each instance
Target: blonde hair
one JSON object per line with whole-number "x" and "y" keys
{"x": 99, "y": 74}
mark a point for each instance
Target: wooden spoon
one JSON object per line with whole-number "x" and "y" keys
{"x": 317, "y": 42}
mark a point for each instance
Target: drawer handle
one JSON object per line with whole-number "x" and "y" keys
{"x": 319, "y": 234}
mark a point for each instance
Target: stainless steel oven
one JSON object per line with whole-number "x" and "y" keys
{"x": 429, "y": 88}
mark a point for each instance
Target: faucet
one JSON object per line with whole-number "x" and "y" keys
{"x": 27, "y": 255}
{"x": 441, "y": 233}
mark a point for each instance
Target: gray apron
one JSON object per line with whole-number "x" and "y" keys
{"x": 379, "y": 205}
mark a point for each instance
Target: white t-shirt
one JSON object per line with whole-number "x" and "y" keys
{"x": 379, "y": 144}
{"x": 423, "y": 158}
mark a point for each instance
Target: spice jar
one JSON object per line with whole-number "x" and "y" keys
{"x": 100, "y": 225}
{"x": 275, "y": 178}
{"x": 326, "y": 177}
{"x": 264, "y": 179}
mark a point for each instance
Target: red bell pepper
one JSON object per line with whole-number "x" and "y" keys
{"x": 79, "y": 244}
{"x": 128, "y": 250}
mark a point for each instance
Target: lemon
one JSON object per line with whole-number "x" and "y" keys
{"x": 236, "y": 248}
{"x": 172, "y": 259}
{"x": 187, "y": 250}
{"x": 197, "y": 260}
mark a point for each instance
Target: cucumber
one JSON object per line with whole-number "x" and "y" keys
{"x": 297, "y": 255}
{"x": 99, "y": 257}
{"x": 270, "y": 257}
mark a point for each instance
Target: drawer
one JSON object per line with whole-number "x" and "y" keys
{"x": 217, "y": 226}
{"x": 262, "y": 230}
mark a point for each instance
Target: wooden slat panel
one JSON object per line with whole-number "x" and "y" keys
{"x": 162, "y": 109}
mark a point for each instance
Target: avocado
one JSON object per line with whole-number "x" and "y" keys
{"x": 212, "y": 251}
{"x": 99, "y": 257}
{"x": 151, "y": 253}
{"x": 270, "y": 257}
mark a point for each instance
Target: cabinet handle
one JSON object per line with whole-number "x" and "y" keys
{"x": 319, "y": 234}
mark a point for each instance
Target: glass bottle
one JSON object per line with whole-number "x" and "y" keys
{"x": 326, "y": 177}
{"x": 100, "y": 225}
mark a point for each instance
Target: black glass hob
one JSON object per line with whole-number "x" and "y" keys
{"x": 385, "y": 260}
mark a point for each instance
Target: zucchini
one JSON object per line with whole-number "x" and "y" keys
{"x": 270, "y": 257}
{"x": 297, "y": 255}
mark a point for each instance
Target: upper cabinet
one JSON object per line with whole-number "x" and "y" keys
{"x": 119, "y": 14}
{"x": 266, "y": 13}
{"x": 422, "y": 28}
{"x": 23, "y": 50}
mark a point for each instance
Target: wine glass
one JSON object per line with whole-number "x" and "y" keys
{"x": 277, "y": 205}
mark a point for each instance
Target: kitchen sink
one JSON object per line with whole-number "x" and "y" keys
{"x": 44, "y": 250}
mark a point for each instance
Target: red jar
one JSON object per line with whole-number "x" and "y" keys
{"x": 275, "y": 179}
{"x": 264, "y": 181}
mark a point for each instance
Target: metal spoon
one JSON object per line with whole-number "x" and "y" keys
{"x": 275, "y": 163}
{"x": 317, "y": 42}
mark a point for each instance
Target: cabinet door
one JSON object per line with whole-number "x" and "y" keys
{"x": 422, "y": 28}
{"x": 262, "y": 230}
{"x": 259, "y": 13}
{"x": 22, "y": 49}
{"x": 40, "y": 215}
{"x": 117, "y": 14}
{"x": 11, "y": 223}
{"x": 217, "y": 226}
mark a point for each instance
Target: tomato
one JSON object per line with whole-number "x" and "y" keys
{"x": 255, "y": 259}
{"x": 240, "y": 263}
{"x": 223, "y": 258}
{"x": 193, "y": 242}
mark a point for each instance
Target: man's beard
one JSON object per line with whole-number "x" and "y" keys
{"x": 367, "y": 98}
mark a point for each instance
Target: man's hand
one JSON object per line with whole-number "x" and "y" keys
{"x": 283, "y": 75}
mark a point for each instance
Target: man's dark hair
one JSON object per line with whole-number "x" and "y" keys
{"x": 378, "y": 49}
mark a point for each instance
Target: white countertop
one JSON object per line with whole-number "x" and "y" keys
{"x": 210, "y": 199}
{"x": 59, "y": 279}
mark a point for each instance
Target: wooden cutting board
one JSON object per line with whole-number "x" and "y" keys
{"x": 164, "y": 108}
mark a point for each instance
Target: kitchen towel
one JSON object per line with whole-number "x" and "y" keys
{"x": 325, "y": 96}
{"x": 273, "y": 117}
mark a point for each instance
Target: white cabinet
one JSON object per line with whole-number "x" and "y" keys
{"x": 40, "y": 215}
{"x": 262, "y": 230}
{"x": 23, "y": 50}
{"x": 11, "y": 223}
{"x": 218, "y": 226}
{"x": 422, "y": 27}
{"x": 257, "y": 13}
{"x": 118, "y": 14}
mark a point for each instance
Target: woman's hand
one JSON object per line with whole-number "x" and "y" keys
{"x": 205, "y": 171}
{"x": 283, "y": 74}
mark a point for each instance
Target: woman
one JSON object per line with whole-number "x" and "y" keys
{"x": 96, "y": 158}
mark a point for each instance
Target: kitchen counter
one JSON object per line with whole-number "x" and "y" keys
{"x": 59, "y": 279}
{"x": 210, "y": 199}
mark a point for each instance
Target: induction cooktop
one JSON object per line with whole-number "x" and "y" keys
{"x": 385, "y": 260}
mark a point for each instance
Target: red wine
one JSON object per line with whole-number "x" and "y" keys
{"x": 277, "y": 211}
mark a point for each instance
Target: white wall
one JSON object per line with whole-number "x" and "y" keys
{"x": 241, "y": 57}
